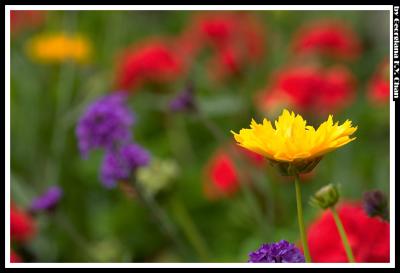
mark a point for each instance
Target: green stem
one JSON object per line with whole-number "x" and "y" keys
{"x": 249, "y": 195}
{"x": 58, "y": 141}
{"x": 343, "y": 236}
{"x": 79, "y": 240}
{"x": 190, "y": 230}
{"x": 272, "y": 199}
{"x": 185, "y": 137}
{"x": 262, "y": 185}
{"x": 300, "y": 218}
{"x": 179, "y": 139}
{"x": 165, "y": 225}
{"x": 64, "y": 94}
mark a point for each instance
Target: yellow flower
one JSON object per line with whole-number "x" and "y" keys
{"x": 53, "y": 48}
{"x": 293, "y": 141}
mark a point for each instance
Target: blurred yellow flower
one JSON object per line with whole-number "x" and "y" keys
{"x": 292, "y": 140}
{"x": 53, "y": 48}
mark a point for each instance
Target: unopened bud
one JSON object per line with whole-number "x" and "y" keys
{"x": 326, "y": 197}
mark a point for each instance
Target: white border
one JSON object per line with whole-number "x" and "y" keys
{"x": 192, "y": 265}
{"x": 7, "y": 136}
{"x": 392, "y": 149}
{"x": 198, "y": 7}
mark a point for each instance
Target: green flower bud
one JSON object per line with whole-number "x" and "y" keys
{"x": 326, "y": 197}
{"x": 157, "y": 176}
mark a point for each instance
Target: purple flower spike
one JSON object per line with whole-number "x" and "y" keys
{"x": 119, "y": 165}
{"x": 280, "y": 252}
{"x": 106, "y": 123}
{"x": 184, "y": 101}
{"x": 47, "y": 201}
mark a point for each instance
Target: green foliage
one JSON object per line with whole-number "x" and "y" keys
{"x": 94, "y": 224}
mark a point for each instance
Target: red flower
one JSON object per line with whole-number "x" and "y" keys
{"x": 22, "y": 225}
{"x": 153, "y": 61}
{"x": 379, "y": 86}
{"x": 368, "y": 237}
{"x": 338, "y": 89}
{"x": 235, "y": 39}
{"x": 225, "y": 62}
{"x": 332, "y": 38}
{"x": 14, "y": 257}
{"x": 24, "y": 19}
{"x": 308, "y": 89}
{"x": 217, "y": 28}
{"x": 222, "y": 178}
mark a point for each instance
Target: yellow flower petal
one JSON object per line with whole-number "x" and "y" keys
{"x": 292, "y": 139}
{"x": 52, "y": 48}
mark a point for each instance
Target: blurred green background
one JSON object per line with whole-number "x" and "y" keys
{"x": 93, "y": 224}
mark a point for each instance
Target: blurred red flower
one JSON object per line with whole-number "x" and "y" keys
{"x": 14, "y": 257}
{"x": 235, "y": 39}
{"x": 222, "y": 179}
{"x": 308, "y": 89}
{"x": 327, "y": 37}
{"x": 217, "y": 28}
{"x": 225, "y": 29}
{"x": 22, "y": 225}
{"x": 379, "y": 85}
{"x": 226, "y": 62}
{"x": 368, "y": 237}
{"x": 25, "y": 19}
{"x": 153, "y": 61}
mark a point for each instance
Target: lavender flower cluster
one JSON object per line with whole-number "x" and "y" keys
{"x": 107, "y": 124}
{"x": 280, "y": 252}
{"x": 120, "y": 164}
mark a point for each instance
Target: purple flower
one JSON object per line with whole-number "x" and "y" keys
{"x": 47, "y": 201}
{"x": 184, "y": 101}
{"x": 280, "y": 252}
{"x": 105, "y": 123}
{"x": 120, "y": 164}
{"x": 375, "y": 204}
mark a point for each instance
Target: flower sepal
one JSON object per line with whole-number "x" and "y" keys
{"x": 296, "y": 167}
